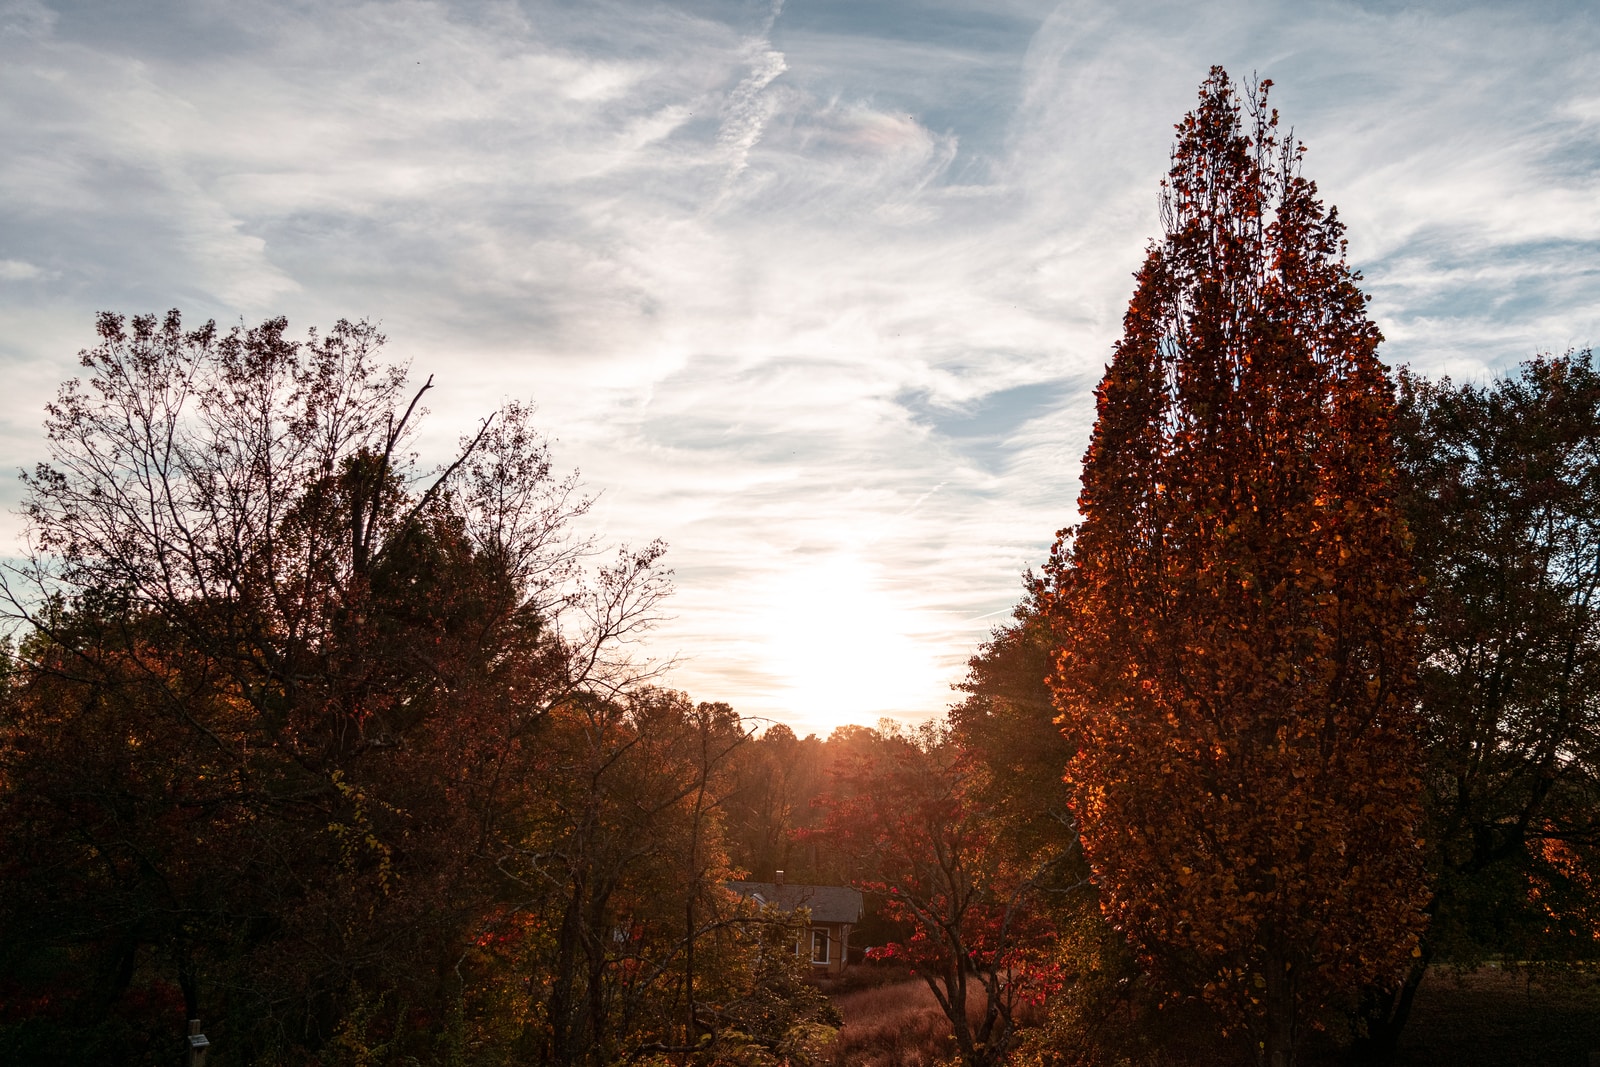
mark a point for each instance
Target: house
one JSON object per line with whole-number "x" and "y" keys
{"x": 835, "y": 910}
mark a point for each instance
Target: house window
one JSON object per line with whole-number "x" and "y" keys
{"x": 819, "y": 946}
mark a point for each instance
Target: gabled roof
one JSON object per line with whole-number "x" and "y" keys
{"x": 828, "y": 903}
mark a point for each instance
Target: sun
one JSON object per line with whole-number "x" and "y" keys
{"x": 844, "y": 649}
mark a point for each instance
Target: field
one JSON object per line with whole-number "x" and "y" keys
{"x": 1486, "y": 1018}
{"x": 1494, "y": 1017}
{"x": 897, "y": 1024}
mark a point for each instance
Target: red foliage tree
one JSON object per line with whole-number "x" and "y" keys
{"x": 913, "y": 814}
{"x": 1235, "y": 610}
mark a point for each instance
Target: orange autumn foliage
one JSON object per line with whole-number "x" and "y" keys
{"x": 1235, "y": 611}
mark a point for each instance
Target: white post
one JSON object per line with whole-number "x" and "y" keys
{"x": 198, "y": 1045}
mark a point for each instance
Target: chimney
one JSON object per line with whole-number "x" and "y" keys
{"x": 777, "y": 878}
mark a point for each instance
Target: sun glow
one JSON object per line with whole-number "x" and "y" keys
{"x": 845, "y": 649}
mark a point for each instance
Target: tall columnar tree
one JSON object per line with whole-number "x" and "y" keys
{"x": 1235, "y": 610}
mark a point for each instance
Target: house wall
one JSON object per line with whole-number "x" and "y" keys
{"x": 838, "y": 948}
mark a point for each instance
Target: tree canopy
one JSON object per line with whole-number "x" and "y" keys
{"x": 1234, "y": 612}
{"x": 315, "y": 746}
{"x": 358, "y": 761}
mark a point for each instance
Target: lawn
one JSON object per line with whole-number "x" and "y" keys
{"x": 1491, "y": 1017}
{"x": 1495, "y": 1016}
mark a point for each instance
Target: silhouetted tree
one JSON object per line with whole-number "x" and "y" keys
{"x": 1502, "y": 495}
{"x": 275, "y": 690}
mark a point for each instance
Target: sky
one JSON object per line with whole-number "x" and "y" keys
{"x": 816, "y": 291}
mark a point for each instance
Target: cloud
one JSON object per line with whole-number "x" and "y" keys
{"x": 814, "y": 290}
{"x": 750, "y": 106}
{"x": 15, "y": 270}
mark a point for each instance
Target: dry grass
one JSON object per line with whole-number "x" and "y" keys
{"x": 1494, "y": 1016}
{"x": 898, "y": 1025}
{"x": 1487, "y": 1018}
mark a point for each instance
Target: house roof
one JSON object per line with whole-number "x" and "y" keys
{"x": 828, "y": 903}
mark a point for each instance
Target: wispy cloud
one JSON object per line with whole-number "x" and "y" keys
{"x": 818, "y": 293}
{"x": 750, "y": 106}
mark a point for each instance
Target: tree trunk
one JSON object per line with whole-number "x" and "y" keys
{"x": 561, "y": 1009}
{"x": 1280, "y": 1027}
{"x": 994, "y": 1034}
{"x": 1382, "y": 1016}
